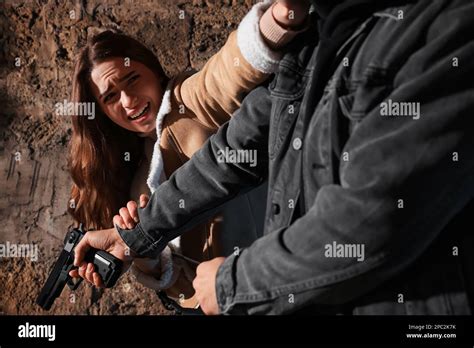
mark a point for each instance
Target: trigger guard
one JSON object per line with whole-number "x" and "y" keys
{"x": 72, "y": 284}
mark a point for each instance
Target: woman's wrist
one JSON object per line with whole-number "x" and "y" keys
{"x": 290, "y": 17}
{"x": 278, "y": 27}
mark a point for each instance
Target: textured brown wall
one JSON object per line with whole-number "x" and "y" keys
{"x": 34, "y": 182}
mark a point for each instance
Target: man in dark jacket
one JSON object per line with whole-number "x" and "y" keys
{"x": 364, "y": 138}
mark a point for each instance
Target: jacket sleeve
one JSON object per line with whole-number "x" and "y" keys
{"x": 196, "y": 190}
{"x": 426, "y": 162}
{"x": 245, "y": 61}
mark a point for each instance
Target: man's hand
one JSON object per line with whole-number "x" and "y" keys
{"x": 128, "y": 216}
{"x": 291, "y": 14}
{"x": 205, "y": 285}
{"x": 108, "y": 240}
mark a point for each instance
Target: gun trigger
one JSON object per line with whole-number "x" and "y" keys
{"x": 72, "y": 284}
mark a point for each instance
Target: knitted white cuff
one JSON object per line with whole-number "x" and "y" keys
{"x": 252, "y": 44}
{"x": 169, "y": 272}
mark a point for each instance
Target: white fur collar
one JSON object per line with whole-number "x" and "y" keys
{"x": 156, "y": 173}
{"x": 156, "y": 165}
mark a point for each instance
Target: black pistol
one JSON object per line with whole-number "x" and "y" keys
{"x": 107, "y": 265}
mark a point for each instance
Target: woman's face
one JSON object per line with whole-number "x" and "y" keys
{"x": 129, "y": 95}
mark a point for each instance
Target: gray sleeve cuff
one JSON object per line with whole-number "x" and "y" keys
{"x": 225, "y": 287}
{"x": 140, "y": 243}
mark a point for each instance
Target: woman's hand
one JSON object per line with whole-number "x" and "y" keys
{"x": 291, "y": 14}
{"x": 108, "y": 240}
{"x": 128, "y": 216}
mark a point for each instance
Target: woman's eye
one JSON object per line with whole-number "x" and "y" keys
{"x": 109, "y": 97}
{"x": 133, "y": 79}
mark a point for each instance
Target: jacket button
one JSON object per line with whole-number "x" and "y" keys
{"x": 275, "y": 209}
{"x": 297, "y": 143}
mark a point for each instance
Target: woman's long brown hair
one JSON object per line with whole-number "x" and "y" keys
{"x": 98, "y": 149}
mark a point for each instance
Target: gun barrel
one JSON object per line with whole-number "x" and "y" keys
{"x": 55, "y": 283}
{"x": 108, "y": 267}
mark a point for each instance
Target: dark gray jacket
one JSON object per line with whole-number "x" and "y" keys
{"x": 349, "y": 174}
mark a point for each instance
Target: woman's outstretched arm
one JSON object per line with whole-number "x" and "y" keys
{"x": 251, "y": 54}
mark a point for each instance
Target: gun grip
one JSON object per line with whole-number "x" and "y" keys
{"x": 107, "y": 265}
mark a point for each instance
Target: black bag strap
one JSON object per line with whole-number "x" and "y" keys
{"x": 172, "y": 305}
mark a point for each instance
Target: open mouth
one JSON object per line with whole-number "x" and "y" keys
{"x": 140, "y": 114}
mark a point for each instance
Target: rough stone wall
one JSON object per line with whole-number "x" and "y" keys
{"x": 38, "y": 43}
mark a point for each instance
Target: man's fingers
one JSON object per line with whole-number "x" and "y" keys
{"x": 80, "y": 250}
{"x": 117, "y": 220}
{"x": 127, "y": 218}
{"x": 133, "y": 210}
{"x": 144, "y": 200}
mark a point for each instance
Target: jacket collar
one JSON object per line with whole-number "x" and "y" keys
{"x": 156, "y": 166}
